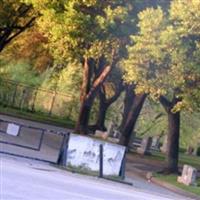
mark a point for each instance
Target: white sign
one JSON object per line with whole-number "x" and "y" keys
{"x": 12, "y": 129}
{"x": 84, "y": 152}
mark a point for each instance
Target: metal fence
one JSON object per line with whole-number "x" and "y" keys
{"x": 31, "y": 142}
{"x": 21, "y": 96}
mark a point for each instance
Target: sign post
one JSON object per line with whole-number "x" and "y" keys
{"x": 100, "y": 161}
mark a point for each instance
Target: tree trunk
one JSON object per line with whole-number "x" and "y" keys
{"x": 129, "y": 123}
{"x": 105, "y": 103}
{"x": 173, "y": 142}
{"x": 82, "y": 123}
{"x": 128, "y": 102}
{"x": 89, "y": 91}
{"x": 173, "y": 136}
{"x": 100, "y": 124}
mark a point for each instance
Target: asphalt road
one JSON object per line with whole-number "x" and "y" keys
{"x": 23, "y": 179}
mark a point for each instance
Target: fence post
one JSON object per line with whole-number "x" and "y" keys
{"x": 34, "y": 99}
{"x": 62, "y": 159}
{"x": 52, "y": 103}
{"x": 14, "y": 95}
{"x": 101, "y": 161}
{"x": 123, "y": 166}
{"x": 22, "y": 99}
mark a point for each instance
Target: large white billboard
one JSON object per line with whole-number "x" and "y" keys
{"x": 83, "y": 152}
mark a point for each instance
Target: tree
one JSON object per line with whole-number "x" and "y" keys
{"x": 163, "y": 62}
{"x": 133, "y": 104}
{"x": 15, "y": 18}
{"x": 91, "y": 32}
{"x": 108, "y": 94}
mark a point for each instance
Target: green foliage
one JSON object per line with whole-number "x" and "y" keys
{"x": 163, "y": 58}
{"x": 9, "y": 12}
{"x": 66, "y": 80}
{"x": 76, "y": 29}
{"x": 24, "y": 73}
{"x": 164, "y": 54}
{"x": 153, "y": 122}
{"x": 15, "y": 18}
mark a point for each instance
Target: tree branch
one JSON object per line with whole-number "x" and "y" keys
{"x": 118, "y": 91}
{"x": 165, "y": 103}
{"x": 99, "y": 81}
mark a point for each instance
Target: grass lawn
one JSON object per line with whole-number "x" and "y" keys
{"x": 183, "y": 159}
{"x": 172, "y": 179}
{"x": 37, "y": 116}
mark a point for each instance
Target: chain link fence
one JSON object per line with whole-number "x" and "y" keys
{"x": 36, "y": 99}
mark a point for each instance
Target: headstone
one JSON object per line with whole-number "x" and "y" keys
{"x": 136, "y": 142}
{"x": 111, "y": 128}
{"x": 196, "y": 151}
{"x": 190, "y": 150}
{"x": 116, "y": 134}
{"x": 144, "y": 149}
{"x": 189, "y": 175}
{"x": 155, "y": 142}
{"x": 101, "y": 134}
{"x": 164, "y": 146}
{"x": 149, "y": 176}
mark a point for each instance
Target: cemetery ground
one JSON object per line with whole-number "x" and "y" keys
{"x": 138, "y": 166}
{"x": 154, "y": 163}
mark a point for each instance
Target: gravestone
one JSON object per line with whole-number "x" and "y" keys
{"x": 189, "y": 175}
{"x": 116, "y": 134}
{"x": 144, "y": 149}
{"x": 101, "y": 134}
{"x": 196, "y": 151}
{"x": 136, "y": 142}
{"x": 111, "y": 127}
{"x": 190, "y": 150}
{"x": 113, "y": 133}
{"x": 130, "y": 145}
{"x": 164, "y": 146}
{"x": 155, "y": 142}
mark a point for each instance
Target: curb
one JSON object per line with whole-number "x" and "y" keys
{"x": 166, "y": 185}
{"x": 118, "y": 181}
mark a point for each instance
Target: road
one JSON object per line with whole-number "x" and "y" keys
{"x": 24, "y": 179}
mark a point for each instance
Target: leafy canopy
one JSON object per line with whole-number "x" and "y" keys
{"x": 164, "y": 56}
{"x": 84, "y": 28}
